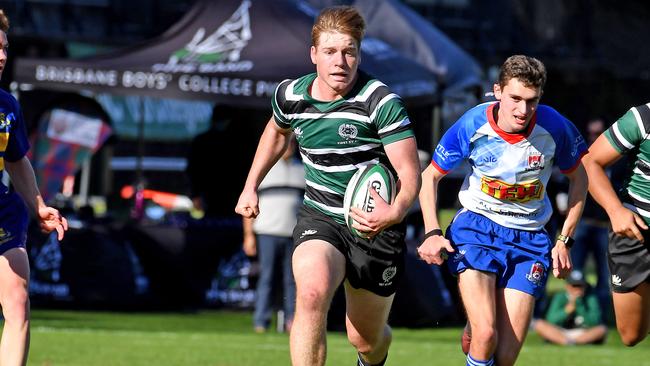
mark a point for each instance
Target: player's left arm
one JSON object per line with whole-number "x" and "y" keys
{"x": 578, "y": 184}
{"x": 24, "y": 182}
{"x": 403, "y": 156}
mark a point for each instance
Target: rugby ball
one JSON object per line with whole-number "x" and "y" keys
{"x": 357, "y": 194}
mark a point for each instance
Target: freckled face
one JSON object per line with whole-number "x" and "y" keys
{"x": 517, "y": 105}
{"x": 337, "y": 58}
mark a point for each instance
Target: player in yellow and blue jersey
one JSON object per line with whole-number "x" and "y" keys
{"x": 14, "y": 217}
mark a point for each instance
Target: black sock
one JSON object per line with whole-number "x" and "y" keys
{"x": 361, "y": 362}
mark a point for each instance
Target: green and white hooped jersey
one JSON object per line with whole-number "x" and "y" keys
{"x": 630, "y": 135}
{"x": 336, "y": 138}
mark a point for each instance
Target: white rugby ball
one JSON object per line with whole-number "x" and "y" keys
{"x": 357, "y": 193}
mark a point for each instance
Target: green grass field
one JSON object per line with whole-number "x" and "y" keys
{"x": 222, "y": 338}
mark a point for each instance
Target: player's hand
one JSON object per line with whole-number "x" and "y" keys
{"x": 50, "y": 219}
{"x": 561, "y": 260}
{"x": 247, "y": 206}
{"x": 435, "y": 249}
{"x": 372, "y": 223}
{"x": 628, "y": 223}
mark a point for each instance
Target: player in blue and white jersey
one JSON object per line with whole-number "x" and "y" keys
{"x": 497, "y": 244}
{"x": 14, "y": 265}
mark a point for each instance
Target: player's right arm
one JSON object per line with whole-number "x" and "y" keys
{"x": 624, "y": 222}
{"x": 272, "y": 145}
{"x": 432, "y": 247}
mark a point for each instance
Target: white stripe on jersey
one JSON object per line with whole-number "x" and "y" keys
{"x": 289, "y": 95}
{"x": 340, "y": 115}
{"x": 637, "y": 197}
{"x": 620, "y": 137}
{"x": 395, "y": 125}
{"x": 639, "y": 122}
{"x": 336, "y": 210}
{"x": 367, "y": 93}
{"x": 338, "y": 168}
{"x": 319, "y": 187}
{"x": 383, "y": 101}
{"x": 640, "y": 173}
{"x": 343, "y": 150}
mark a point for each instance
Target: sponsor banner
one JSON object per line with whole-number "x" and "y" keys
{"x": 226, "y": 52}
{"x": 164, "y": 119}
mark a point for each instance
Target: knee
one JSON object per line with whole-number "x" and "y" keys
{"x": 484, "y": 335}
{"x": 15, "y": 305}
{"x": 368, "y": 343}
{"x": 312, "y": 299}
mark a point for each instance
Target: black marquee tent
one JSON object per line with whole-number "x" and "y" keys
{"x": 421, "y": 41}
{"x": 231, "y": 51}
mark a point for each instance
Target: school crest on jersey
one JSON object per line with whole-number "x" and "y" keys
{"x": 535, "y": 162}
{"x": 5, "y": 120}
{"x": 348, "y": 131}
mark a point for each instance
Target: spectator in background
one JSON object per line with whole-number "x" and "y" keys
{"x": 591, "y": 235}
{"x": 14, "y": 217}
{"x": 269, "y": 236}
{"x": 574, "y": 315}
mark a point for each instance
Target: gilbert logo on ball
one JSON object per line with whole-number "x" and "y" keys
{"x": 357, "y": 194}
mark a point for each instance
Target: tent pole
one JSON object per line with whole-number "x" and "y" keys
{"x": 138, "y": 208}
{"x": 84, "y": 182}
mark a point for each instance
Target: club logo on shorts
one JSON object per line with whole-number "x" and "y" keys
{"x": 308, "y": 232}
{"x": 536, "y": 274}
{"x": 616, "y": 280}
{"x": 388, "y": 275}
{"x": 459, "y": 255}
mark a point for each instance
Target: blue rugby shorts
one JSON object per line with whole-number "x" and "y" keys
{"x": 519, "y": 258}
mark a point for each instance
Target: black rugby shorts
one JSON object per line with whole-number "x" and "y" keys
{"x": 375, "y": 264}
{"x": 629, "y": 262}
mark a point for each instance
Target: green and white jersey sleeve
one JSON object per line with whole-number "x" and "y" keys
{"x": 629, "y": 135}
{"x": 335, "y": 138}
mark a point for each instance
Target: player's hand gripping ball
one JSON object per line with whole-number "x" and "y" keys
{"x": 357, "y": 194}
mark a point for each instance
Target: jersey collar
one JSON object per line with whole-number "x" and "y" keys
{"x": 511, "y": 138}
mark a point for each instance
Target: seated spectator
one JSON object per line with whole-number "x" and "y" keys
{"x": 574, "y": 315}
